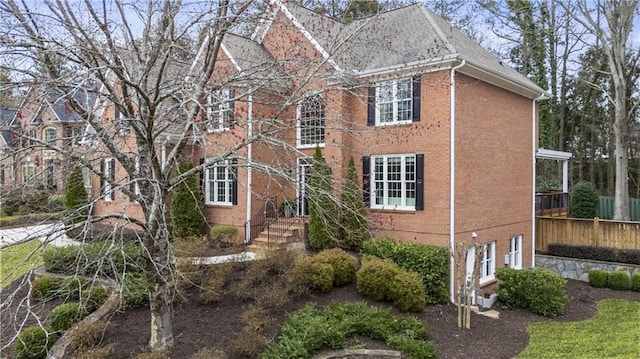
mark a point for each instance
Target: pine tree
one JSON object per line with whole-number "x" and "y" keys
{"x": 354, "y": 211}
{"x": 323, "y": 219}
{"x": 75, "y": 197}
{"x": 186, "y": 212}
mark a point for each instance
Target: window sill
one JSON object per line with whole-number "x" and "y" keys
{"x": 218, "y": 205}
{"x": 218, "y": 130}
{"x": 487, "y": 282}
{"x": 393, "y": 210}
{"x": 321, "y": 145}
{"x": 391, "y": 124}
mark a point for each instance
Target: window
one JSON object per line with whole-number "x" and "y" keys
{"x": 28, "y": 173}
{"x": 50, "y": 135}
{"x": 221, "y": 184}
{"x": 71, "y": 136}
{"x": 220, "y": 113}
{"x": 488, "y": 263}
{"x": 1, "y": 174}
{"x": 108, "y": 171}
{"x": 394, "y": 181}
{"x": 311, "y": 121}
{"x": 51, "y": 181}
{"x": 121, "y": 123}
{"x": 135, "y": 185}
{"x": 32, "y": 137}
{"x": 515, "y": 252}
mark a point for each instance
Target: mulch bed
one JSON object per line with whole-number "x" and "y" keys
{"x": 216, "y": 325}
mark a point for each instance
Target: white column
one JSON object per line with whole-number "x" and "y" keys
{"x": 565, "y": 176}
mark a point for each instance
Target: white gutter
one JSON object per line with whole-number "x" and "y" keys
{"x": 445, "y": 60}
{"x": 247, "y": 230}
{"x": 452, "y": 173}
{"x": 533, "y": 178}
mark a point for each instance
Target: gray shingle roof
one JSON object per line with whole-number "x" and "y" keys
{"x": 6, "y": 117}
{"x": 86, "y": 97}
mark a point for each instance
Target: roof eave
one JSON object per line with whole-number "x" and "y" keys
{"x": 444, "y": 61}
{"x": 531, "y": 90}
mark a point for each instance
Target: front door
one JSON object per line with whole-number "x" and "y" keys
{"x": 304, "y": 168}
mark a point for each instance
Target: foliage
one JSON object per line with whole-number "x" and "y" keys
{"x": 322, "y": 221}
{"x": 619, "y": 280}
{"x": 431, "y": 262}
{"x": 354, "y": 228}
{"x": 75, "y": 197}
{"x": 635, "y": 282}
{"x": 45, "y": 287}
{"x": 224, "y": 234}
{"x": 312, "y": 274}
{"x": 310, "y": 329}
{"x": 135, "y": 290}
{"x": 407, "y": 292}
{"x": 611, "y": 333}
{"x": 97, "y": 353}
{"x": 94, "y": 297}
{"x": 29, "y": 219}
{"x": 102, "y": 258}
{"x": 540, "y": 291}
{"x": 64, "y": 315}
{"x": 187, "y": 219}
{"x": 70, "y": 287}
{"x": 55, "y": 203}
{"x": 343, "y": 264}
{"x": 583, "y": 201}
{"x": 598, "y": 278}
{"x": 605, "y": 254}
{"x": 87, "y": 334}
{"x": 33, "y": 342}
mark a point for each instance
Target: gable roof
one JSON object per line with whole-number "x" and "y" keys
{"x": 56, "y": 99}
{"x": 6, "y": 119}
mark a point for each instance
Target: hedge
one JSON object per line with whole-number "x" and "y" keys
{"x": 33, "y": 342}
{"x": 100, "y": 258}
{"x": 430, "y": 262}
{"x": 540, "y": 291}
{"x": 605, "y": 254}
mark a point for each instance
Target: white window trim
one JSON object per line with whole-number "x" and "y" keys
{"x": 223, "y": 123}
{"x": 44, "y": 135}
{"x": 26, "y": 168}
{"x": 515, "y": 254}
{"x": 488, "y": 255}
{"x": 299, "y": 124}
{"x": 372, "y": 173}
{"x": 108, "y": 188}
{"x": 395, "y": 102}
{"x": 136, "y": 186}
{"x": 226, "y": 165}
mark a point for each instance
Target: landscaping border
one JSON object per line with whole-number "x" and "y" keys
{"x": 574, "y": 268}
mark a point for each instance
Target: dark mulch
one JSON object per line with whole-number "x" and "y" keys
{"x": 216, "y": 325}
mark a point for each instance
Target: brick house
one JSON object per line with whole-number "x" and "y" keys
{"x": 443, "y": 132}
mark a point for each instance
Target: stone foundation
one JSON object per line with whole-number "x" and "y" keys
{"x": 573, "y": 268}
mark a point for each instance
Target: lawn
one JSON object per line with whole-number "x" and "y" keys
{"x": 614, "y": 332}
{"x": 17, "y": 260}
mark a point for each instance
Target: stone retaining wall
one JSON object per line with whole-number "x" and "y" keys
{"x": 573, "y": 268}
{"x": 360, "y": 354}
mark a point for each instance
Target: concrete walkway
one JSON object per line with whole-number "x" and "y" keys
{"x": 52, "y": 233}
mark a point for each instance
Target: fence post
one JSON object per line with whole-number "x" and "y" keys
{"x": 596, "y": 231}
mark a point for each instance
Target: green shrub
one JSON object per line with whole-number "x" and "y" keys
{"x": 55, "y": 203}
{"x": 343, "y": 264}
{"x": 354, "y": 228}
{"x": 312, "y": 274}
{"x": 34, "y": 342}
{"x": 598, "y": 278}
{"x": 102, "y": 258}
{"x": 619, "y": 280}
{"x": 635, "y": 282}
{"x": 412, "y": 348}
{"x": 70, "y": 287}
{"x": 226, "y": 235}
{"x": 540, "y": 291}
{"x": 407, "y": 292}
{"x": 583, "y": 201}
{"x": 187, "y": 219}
{"x": 323, "y": 220}
{"x": 431, "y": 262}
{"x": 75, "y": 197}
{"x": 64, "y": 315}
{"x": 93, "y": 298}
{"x": 375, "y": 276}
{"x": 45, "y": 287}
{"x": 135, "y": 290}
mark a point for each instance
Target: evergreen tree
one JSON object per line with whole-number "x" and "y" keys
{"x": 75, "y": 197}
{"x": 354, "y": 211}
{"x": 583, "y": 202}
{"x": 186, "y": 212}
{"x": 323, "y": 219}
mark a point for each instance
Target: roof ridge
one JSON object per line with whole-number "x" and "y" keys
{"x": 427, "y": 14}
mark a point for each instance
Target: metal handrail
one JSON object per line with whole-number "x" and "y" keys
{"x": 279, "y": 225}
{"x": 258, "y": 222}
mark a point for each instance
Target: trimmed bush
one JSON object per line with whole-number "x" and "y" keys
{"x": 70, "y": 287}
{"x": 540, "y": 291}
{"x": 619, "y": 280}
{"x": 354, "y": 228}
{"x": 431, "y": 262}
{"x": 64, "y": 315}
{"x": 135, "y": 290}
{"x": 102, "y": 258}
{"x": 45, "y": 287}
{"x": 598, "y": 278}
{"x": 635, "y": 282}
{"x": 312, "y": 274}
{"x": 606, "y": 254}
{"x": 343, "y": 264}
{"x": 374, "y": 277}
{"x": 187, "y": 219}
{"x": 407, "y": 292}
{"x": 323, "y": 218}
{"x": 34, "y": 342}
{"x": 583, "y": 201}
{"x": 226, "y": 235}
{"x": 92, "y": 298}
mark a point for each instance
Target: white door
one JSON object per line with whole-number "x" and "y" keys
{"x": 471, "y": 264}
{"x": 304, "y": 168}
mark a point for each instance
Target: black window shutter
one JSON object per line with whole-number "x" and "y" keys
{"x": 419, "y": 182}
{"x": 366, "y": 180}
{"x": 371, "y": 106}
{"x": 102, "y": 164}
{"x": 416, "y": 98}
{"x": 232, "y": 107}
{"x": 201, "y": 175}
{"x": 234, "y": 183}
{"x": 112, "y": 176}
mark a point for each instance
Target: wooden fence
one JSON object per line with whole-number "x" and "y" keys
{"x": 586, "y": 232}
{"x": 605, "y": 208}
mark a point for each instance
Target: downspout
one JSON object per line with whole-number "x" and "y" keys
{"x": 247, "y": 229}
{"x": 533, "y": 178}
{"x": 452, "y": 173}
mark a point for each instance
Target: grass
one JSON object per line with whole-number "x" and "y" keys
{"x": 17, "y": 260}
{"x": 614, "y": 332}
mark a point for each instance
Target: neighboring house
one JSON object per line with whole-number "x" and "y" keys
{"x": 8, "y": 143}
{"x": 444, "y": 133}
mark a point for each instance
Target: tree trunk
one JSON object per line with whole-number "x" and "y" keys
{"x": 621, "y": 193}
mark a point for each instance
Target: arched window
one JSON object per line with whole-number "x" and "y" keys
{"x": 311, "y": 121}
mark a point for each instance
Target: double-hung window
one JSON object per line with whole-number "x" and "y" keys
{"x": 28, "y": 173}
{"x": 121, "y": 123}
{"x": 311, "y": 121}
{"x": 394, "y": 102}
{"x": 488, "y": 262}
{"x": 50, "y": 135}
{"x": 515, "y": 252}
{"x": 220, "y": 183}
{"x": 394, "y": 181}
{"x": 220, "y": 111}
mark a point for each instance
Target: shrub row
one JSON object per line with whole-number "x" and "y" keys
{"x": 76, "y": 288}
{"x": 320, "y": 273}
{"x": 101, "y": 258}
{"x": 382, "y": 279}
{"x": 430, "y": 262}
{"x": 606, "y": 254}
{"x": 309, "y": 330}
{"x": 540, "y": 291}
{"x": 617, "y": 280}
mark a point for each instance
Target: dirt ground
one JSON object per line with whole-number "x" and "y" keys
{"x": 219, "y": 325}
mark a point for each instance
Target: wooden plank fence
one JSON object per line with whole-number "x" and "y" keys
{"x": 586, "y": 232}
{"x": 605, "y": 208}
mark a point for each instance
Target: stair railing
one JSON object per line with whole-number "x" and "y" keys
{"x": 279, "y": 225}
{"x": 261, "y": 219}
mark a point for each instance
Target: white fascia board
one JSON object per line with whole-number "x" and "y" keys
{"x": 265, "y": 24}
{"x": 445, "y": 62}
{"x": 545, "y": 154}
{"x": 233, "y": 61}
{"x": 498, "y": 80}
{"x": 198, "y": 55}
